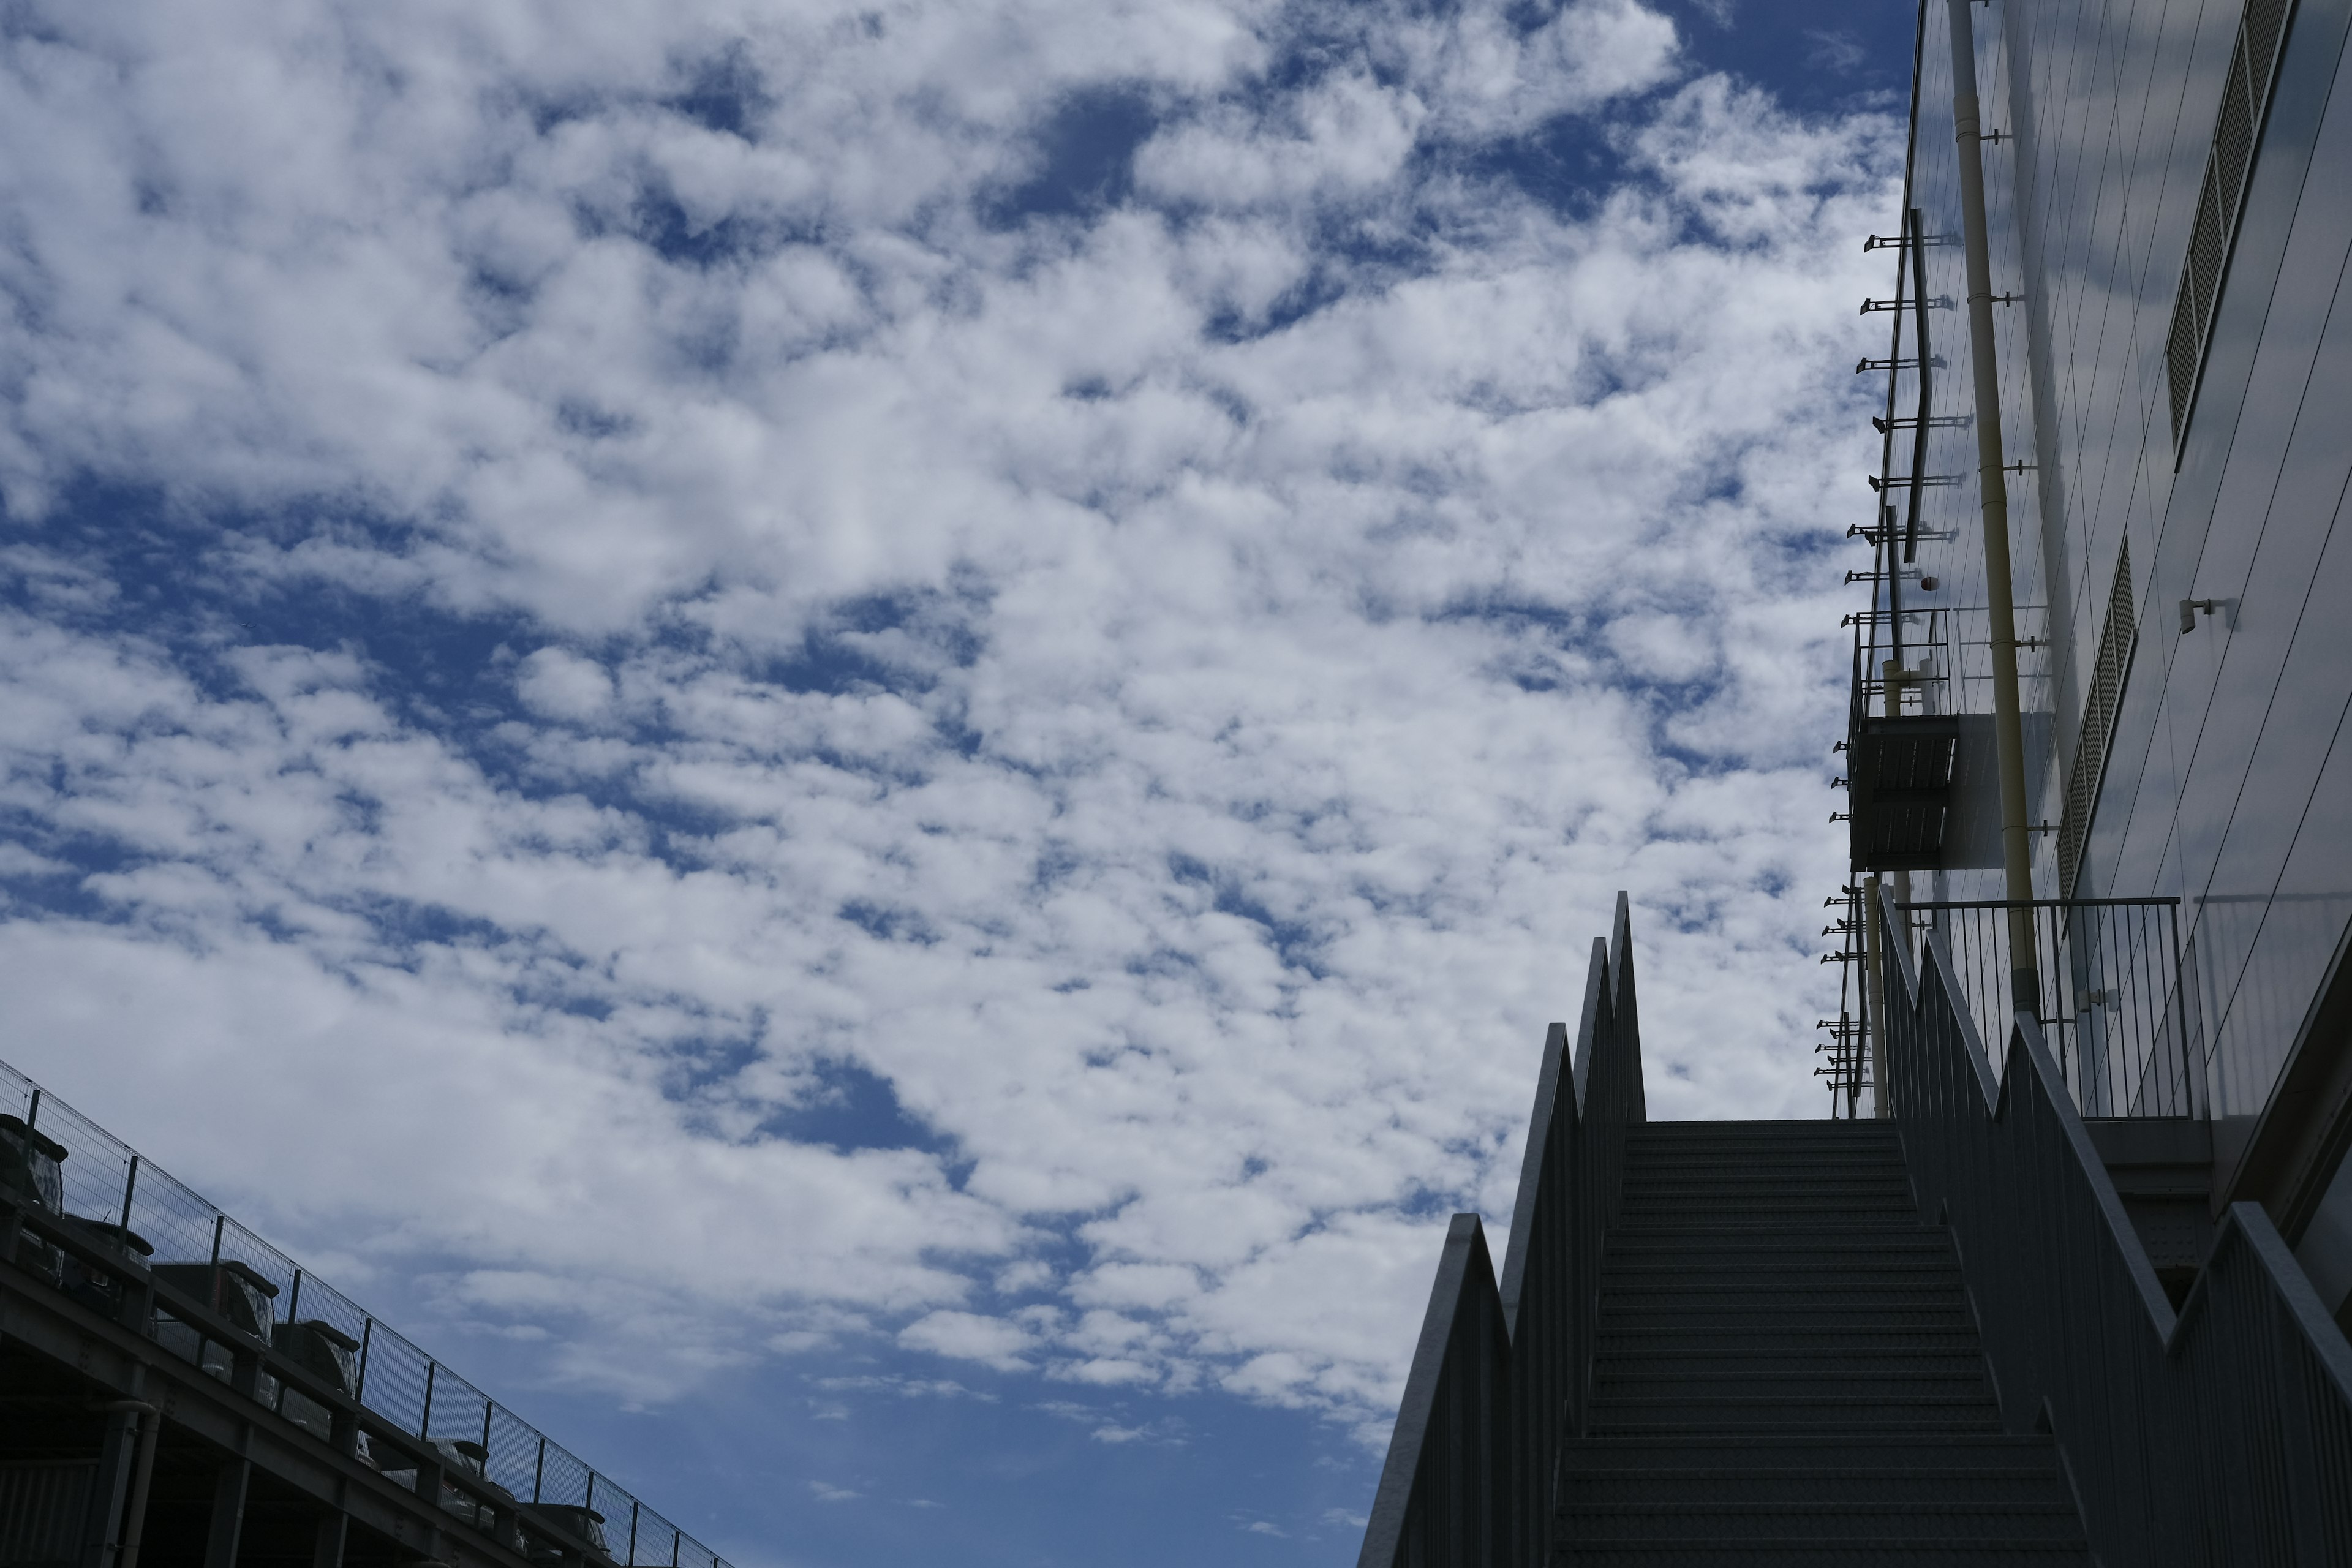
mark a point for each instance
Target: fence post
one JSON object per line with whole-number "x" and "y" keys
{"x": 425, "y": 1422}
{"x": 130, "y": 1185}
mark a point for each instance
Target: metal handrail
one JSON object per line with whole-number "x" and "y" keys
{"x": 2221, "y": 1433}
{"x": 2113, "y": 993}
{"x": 396, "y": 1377}
{"x": 1501, "y": 1373}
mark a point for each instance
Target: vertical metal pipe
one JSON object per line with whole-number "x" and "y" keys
{"x": 425, "y": 1422}
{"x": 2009, "y": 737}
{"x": 134, "y": 1516}
{"x": 130, "y": 1186}
{"x": 1874, "y": 998}
{"x": 367, "y": 1333}
{"x": 293, "y": 1300}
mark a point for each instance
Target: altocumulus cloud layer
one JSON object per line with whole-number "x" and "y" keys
{"x": 971, "y": 672}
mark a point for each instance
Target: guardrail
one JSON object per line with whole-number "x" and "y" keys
{"x": 2116, "y": 1004}
{"x": 1500, "y": 1372}
{"x": 2221, "y": 1434}
{"x": 403, "y": 1397}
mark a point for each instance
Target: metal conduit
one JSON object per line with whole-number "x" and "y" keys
{"x": 2009, "y": 738}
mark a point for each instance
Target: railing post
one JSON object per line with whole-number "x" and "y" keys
{"x": 2190, "y": 1078}
{"x": 1873, "y": 1000}
{"x": 425, "y": 1421}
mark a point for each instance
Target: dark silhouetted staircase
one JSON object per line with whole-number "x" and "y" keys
{"x": 1786, "y": 1369}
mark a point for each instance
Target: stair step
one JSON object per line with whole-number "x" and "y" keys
{"x": 1974, "y": 1412}
{"x": 1828, "y": 1363}
{"x": 1705, "y": 1178}
{"x": 1811, "y": 1453}
{"x": 1801, "y": 1199}
{"x": 1640, "y": 1207}
{"x": 1943, "y": 1269}
{"x": 1821, "y": 1551}
{"x": 1853, "y": 1484}
{"x": 1917, "y": 1522}
{"x": 1685, "y": 1341}
{"x": 1697, "y": 1156}
{"x": 1879, "y": 1308}
{"x": 1780, "y": 1295}
{"x": 1897, "y": 1386}
{"x": 1835, "y": 1135}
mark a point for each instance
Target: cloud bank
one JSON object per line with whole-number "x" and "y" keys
{"x": 971, "y": 673}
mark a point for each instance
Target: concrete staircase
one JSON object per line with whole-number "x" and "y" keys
{"x": 1787, "y": 1370}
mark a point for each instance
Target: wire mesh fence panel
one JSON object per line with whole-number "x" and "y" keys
{"x": 562, "y": 1478}
{"x": 320, "y": 1303}
{"x": 16, "y": 1093}
{"x": 658, "y": 1541}
{"x": 393, "y": 1374}
{"x": 513, "y": 1445}
{"x": 96, "y": 1166}
{"x": 238, "y": 1244}
{"x": 615, "y": 1504}
{"x": 460, "y": 1411}
{"x": 176, "y": 1222}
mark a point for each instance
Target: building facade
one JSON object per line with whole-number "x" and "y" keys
{"x": 2168, "y": 193}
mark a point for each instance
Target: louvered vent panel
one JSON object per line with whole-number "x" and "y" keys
{"x": 2180, "y": 356}
{"x": 2228, "y": 167}
{"x": 2099, "y": 708}
{"x": 2265, "y": 23}
{"x": 2233, "y": 139}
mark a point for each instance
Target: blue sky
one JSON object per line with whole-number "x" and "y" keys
{"x": 861, "y": 744}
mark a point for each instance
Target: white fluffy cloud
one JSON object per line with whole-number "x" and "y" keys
{"x": 1167, "y": 678}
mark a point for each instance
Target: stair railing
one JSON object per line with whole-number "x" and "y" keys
{"x": 2221, "y": 1434}
{"x": 1502, "y": 1373}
